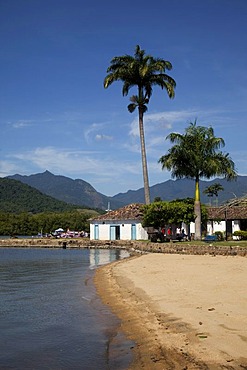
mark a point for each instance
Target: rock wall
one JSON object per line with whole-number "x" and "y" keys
{"x": 132, "y": 246}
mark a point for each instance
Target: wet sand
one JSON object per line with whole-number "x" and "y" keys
{"x": 182, "y": 311}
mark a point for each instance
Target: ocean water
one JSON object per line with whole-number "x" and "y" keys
{"x": 50, "y": 315}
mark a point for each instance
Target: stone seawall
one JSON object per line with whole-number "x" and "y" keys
{"x": 132, "y": 246}
{"x": 210, "y": 249}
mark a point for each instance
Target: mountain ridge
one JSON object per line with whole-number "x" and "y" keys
{"x": 184, "y": 188}
{"x": 80, "y": 192}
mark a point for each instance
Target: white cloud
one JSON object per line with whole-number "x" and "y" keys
{"x": 75, "y": 162}
{"x": 155, "y": 122}
{"x": 92, "y": 132}
{"x": 8, "y": 168}
{"x": 21, "y": 123}
{"x": 156, "y": 127}
{"x": 101, "y": 137}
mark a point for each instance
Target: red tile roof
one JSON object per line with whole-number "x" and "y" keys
{"x": 129, "y": 212}
{"x": 231, "y": 213}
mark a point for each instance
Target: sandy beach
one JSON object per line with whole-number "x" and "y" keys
{"x": 182, "y": 311}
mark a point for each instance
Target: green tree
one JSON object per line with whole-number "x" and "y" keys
{"x": 195, "y": 155}
{"x": 158, "y": 214}
{"x": 157, "y": 199}
{"x": 213, "y": 190}
{"x": 143, "y": 71}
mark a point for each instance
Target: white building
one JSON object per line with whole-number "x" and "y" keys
{"x": 121, "y": 224}
{"x": 228, "y": 218}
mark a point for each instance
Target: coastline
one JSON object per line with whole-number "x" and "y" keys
{"x": 132, "y": 246}
{"x": 182, "y": 311}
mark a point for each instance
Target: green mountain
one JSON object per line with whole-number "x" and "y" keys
{"x": 77, "y": 191}
{"x": 16, "y": 197}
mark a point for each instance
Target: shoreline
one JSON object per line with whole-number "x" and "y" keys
{"x": 134, "y": 247}
{"x": 182, "y": 311}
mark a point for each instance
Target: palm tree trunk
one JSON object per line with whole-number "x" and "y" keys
{"x": 144, "y": 158}
{"x": 216, "y": 201}
{"x": 197, "y": 211}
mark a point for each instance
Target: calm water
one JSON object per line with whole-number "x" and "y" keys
{"x": 50, "y": 315}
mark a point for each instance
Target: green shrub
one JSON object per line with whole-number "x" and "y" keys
{"x": 220, "y": 235}
{"x": 241, "y": 234}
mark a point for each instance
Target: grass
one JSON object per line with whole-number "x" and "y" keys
{"x": 223, "y": 243}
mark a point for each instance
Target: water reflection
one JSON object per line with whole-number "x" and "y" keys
{"x": 100, "y": 257}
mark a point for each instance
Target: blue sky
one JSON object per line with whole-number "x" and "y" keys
{"x": 55, "y": 114}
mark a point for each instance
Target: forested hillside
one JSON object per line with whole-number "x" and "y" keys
{"x": 16, "y": 197}
{"x": 67, "y": 190}
{"x": 26, "y": 211}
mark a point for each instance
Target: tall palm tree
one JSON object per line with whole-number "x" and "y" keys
{"x": 196, "y": 155}
{"x": 144, "y": 72}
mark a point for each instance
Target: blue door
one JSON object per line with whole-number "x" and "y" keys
{"x": 112, "y": 233}
{"x": 115, "y": 232}
{"x": 96, "y": 232}
{"x": 133, "y": 232}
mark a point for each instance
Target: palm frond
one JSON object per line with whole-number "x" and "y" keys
{"x": 132, "y": 107}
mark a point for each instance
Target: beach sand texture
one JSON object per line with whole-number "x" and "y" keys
{"x": 182, "y": 311}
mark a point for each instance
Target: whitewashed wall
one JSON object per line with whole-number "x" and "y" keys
{"x": 221, "y": 226}
{"x": 125, "y": 230}
{"x": 213, "y": 227}
{"x": 235, "y": 227}
{"x": 141, "y": 232}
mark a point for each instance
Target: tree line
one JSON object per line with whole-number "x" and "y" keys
{"x": 31, "y": 224}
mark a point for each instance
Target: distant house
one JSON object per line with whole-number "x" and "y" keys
{"x": 121, "y": 224}
{"x": 228, "y": 218}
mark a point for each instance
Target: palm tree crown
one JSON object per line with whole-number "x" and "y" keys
{"x": 196, "y": 155}
{"x": 144, "y": 72}
{"x": 213, "y": 190}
